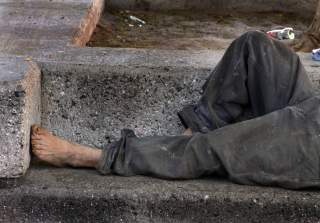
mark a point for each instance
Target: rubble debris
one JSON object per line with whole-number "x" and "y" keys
{"x": 136, "y": 19}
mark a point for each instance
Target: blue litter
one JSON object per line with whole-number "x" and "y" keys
{"x": 316, "y": 54}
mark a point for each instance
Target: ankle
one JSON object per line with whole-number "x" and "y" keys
{"x": 84, "y": 157}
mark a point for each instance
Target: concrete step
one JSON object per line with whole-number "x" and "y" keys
{"x": 304, "y": 8}
{"x": 90, "y": 103}
{"x": 70, "y": 195}
{"x": 33, "y": 26}
{"x": 19, "y": 109}
{"x": 28, "y": 28}
{"x": 89, "y": 95}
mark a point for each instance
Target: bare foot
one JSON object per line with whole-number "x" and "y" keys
{"x": 59, "y": 152}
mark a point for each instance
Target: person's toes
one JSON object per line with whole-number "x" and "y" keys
{"x": 39, "y": 141}
{"x": 35, "y": 137}
{"x": 36, "y": 152}
{"x": 35, "y": 146}
{"x": 34, "y": 127}
{"x": 37, "y": 130}
{"x": 35, "y": 142}
{"x": 38, "y": 147}
{"x": 43, "y": 131}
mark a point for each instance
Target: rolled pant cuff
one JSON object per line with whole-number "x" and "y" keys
{"x": 106, "y": 160}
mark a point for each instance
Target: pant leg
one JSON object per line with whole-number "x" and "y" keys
{"x": 257, "y": 75}
{"x": 279, "y": 148}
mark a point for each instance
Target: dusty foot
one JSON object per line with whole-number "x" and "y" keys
{"x": 59, "y": 152}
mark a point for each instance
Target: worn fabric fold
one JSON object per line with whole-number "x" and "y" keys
{"x": 257, "y": 123}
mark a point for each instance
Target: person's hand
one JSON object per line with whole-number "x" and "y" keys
{"x": 188, "y": 132}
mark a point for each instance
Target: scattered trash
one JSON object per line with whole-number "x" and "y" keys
{"x": 136, "y": 19}
{"x": 131, "y": 25}
{"x": 316, "y": 54}
{"x": 282, "y": 34}
{"x": 28, "y": 59}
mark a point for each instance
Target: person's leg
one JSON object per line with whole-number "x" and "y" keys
{"x": 276, "y": 149}
{"x": 257, "y": 75}
{"x": 60, "y": 152}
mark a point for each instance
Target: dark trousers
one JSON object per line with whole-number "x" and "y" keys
{"x": 256, "y": 123}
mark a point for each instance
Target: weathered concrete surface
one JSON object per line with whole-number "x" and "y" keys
{"x": 28, "y": 26}
{"x": 69, "y": 195}
{"x": 78, "y": 86}
{"x": 88, "y": 23}
{"x": 89, "y": 95}
{"x": 302, "y": 7}
{"x": 92, "y": 104}
{"x": 19, "y": 109}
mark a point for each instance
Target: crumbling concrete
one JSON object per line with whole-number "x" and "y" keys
{"x": 19, "y": 109}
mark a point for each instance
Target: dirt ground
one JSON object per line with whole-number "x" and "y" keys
{"x": 185, "y": 30}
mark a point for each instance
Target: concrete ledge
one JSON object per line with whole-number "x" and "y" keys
{"x": 69, "y": 195}
{"x": 304, "y": 8}
{"x": 91, "y": 104}
{"x": 89, "y": 95}
{"x": 88, "y": 24}
{"x": 19, "y": 109}
{"x": 36, "y": 25}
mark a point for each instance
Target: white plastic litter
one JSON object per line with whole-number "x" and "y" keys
{"x": 281, "y": 34}
{"x": 136, "y": 19}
